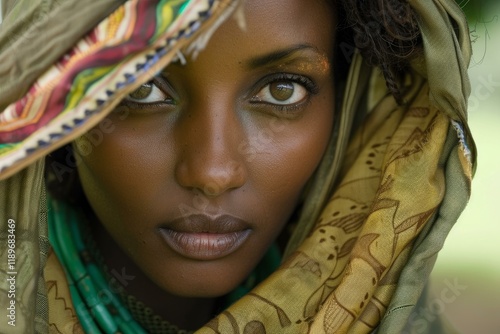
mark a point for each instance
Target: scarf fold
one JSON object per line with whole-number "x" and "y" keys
{"x": 362, "y": 251}
{"x": 36, "y": 33}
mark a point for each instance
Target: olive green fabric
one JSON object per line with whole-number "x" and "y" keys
{"x": 22, "y": 200}
{"x": 35, "y": 33}
{"x": 412, "y": 281}
{"x": 447, "y": 51}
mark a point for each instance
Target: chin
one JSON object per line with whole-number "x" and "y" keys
{"x": 201, "y": 279}
{"x": 203, "y": 289}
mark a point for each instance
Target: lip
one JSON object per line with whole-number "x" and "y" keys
{"x": 201, "y": 237}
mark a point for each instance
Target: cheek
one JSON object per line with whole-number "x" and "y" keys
{"x": 303, "y": 144}
{"x": 292, "y": 153}
{"x": 121, "y": 174}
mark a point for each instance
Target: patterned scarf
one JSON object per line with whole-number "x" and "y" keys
{"x": 380, "y": 205}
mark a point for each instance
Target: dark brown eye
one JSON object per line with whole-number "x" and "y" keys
{"x": 281, "y": 91}
{"x": 149, "y": 93}
{"x": 142, "y": 92}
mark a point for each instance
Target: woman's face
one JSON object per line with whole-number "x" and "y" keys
{"x": 199, "y": 171}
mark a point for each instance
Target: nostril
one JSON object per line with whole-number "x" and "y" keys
{"x": 210, "y": 177}
{"x": 211, "y": 189}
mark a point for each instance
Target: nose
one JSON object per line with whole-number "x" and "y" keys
{"x": 208, "y": 158}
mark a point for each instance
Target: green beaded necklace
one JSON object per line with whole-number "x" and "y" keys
{"x": 98, "y": 307}
{"x": 87, "y": 284}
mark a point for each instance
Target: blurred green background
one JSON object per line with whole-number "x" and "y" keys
{"x": 470, "y": 257}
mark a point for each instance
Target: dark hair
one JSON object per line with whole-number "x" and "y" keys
{"x": 387, "y": 34}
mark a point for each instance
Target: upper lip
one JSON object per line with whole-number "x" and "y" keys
{"x": 201, "y": 223}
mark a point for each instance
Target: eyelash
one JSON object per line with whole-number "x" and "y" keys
{"x": 310, "y": 86}
{"x": 160, "y": 84}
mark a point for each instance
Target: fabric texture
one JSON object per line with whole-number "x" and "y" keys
{"x": 379, "y": 207}
{"x": 36, "y": 33}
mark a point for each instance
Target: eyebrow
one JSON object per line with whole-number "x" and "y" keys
{"x": 278, "y": 56}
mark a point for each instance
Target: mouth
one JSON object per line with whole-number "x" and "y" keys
{"x": 201, "y": 237}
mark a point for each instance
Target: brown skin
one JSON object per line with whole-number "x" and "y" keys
{"x": 215, "y": 142}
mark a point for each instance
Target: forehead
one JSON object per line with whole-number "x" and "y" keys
{"x": 289, "y": 20}
{"x": 272, "y": 25}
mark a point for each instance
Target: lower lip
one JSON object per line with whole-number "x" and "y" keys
{"x": 204, "y": 246}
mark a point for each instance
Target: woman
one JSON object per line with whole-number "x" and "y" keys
{"x": 190, "y": 142}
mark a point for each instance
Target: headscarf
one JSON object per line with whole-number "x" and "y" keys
{"x": 380, "y": 204}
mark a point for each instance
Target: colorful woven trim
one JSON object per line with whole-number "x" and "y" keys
{"x": 112, "y": 60}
